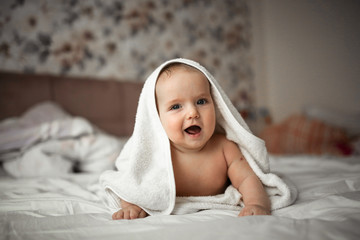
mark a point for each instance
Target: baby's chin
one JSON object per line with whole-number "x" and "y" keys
{"x": 190, "y": 145}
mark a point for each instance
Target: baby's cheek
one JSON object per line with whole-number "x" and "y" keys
{"x": 210, "y": 121}
{"x": 173, "y": 128}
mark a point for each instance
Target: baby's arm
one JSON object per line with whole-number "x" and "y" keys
{"x": 244, "y": 179}
{"x": 255, "y": 199}
{"x": 129, "y": 211}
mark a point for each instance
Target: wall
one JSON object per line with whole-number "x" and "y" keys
{"x": 306, "y": 53}
{"x": 128, "y": 39}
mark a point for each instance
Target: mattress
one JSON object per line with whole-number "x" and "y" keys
{"x": 73, "y": 206}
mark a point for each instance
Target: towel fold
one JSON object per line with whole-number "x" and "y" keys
{"x": 145, "y": 175}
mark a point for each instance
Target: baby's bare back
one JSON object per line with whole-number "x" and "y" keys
{"x": 202, "y": 173}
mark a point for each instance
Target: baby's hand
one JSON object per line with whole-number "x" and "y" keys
{"x": 250, "y": 210}
{"x": 129, "y": 212}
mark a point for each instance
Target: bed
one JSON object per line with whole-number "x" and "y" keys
{"x": 68, "y": 203}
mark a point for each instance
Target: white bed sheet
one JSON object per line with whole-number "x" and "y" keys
{"x": 72, "y": 207}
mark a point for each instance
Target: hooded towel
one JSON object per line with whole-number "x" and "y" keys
{"x": 145, "y": 175}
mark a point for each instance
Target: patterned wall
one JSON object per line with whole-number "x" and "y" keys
{"x": 128, "y": 39}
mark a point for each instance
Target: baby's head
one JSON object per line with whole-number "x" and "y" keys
{"x": 185, "y": 106}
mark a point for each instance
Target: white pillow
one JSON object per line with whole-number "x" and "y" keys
{"x": 92, "y": 152}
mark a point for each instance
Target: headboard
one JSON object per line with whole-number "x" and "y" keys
{"x": 109, "y": 104}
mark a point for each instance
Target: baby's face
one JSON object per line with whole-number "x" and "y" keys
{"x": 186, "y": 108}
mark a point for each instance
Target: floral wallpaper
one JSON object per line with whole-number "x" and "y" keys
{"x": 128, "y": 39}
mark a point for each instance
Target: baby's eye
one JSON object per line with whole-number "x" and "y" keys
{"x": 201, "y": 101}
{"x": 175, "y": 107}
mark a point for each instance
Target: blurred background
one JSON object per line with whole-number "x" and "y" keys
{"x": 129, "y": 39}
{"x": 307, "y": 53}
{"x": 273, "y": 58}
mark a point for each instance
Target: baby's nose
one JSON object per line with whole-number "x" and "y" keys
{"x": 193, "y": 112}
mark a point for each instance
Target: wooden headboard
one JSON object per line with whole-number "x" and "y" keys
{"x": 109, "y": 104}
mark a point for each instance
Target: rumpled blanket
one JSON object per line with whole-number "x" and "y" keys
{"x": 145, "y": 175}
{"x": 47, "y": 141}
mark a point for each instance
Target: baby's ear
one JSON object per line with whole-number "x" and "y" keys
{"x": 219, "y": 129}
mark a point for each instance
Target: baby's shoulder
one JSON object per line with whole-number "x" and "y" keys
{"x": 230, "y": 149}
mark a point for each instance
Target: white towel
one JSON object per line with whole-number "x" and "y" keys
{"x": 145, "y": 175}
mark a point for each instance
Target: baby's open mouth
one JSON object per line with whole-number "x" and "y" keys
{"x": 192, "y": 130}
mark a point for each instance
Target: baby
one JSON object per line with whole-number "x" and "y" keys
{"x": 199, "y": 154}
